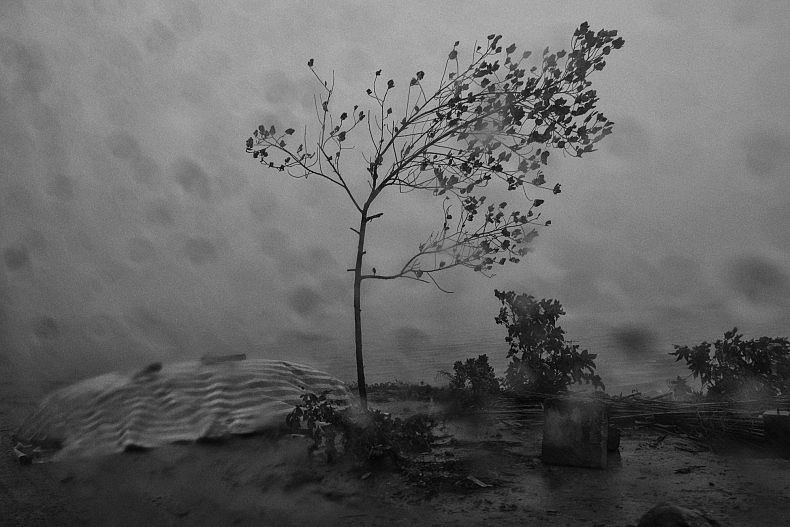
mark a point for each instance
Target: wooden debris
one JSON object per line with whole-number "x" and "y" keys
{"x": 478, "y": 482}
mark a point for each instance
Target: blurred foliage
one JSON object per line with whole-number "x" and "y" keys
{"x": 680, "y": 389}
{"x": 368, "y": 438}
{"x": 475, "y": 377}
{"x": 403, "y": 391}
{"x": 541, "y": 361}
{"x": 734, "y": 368}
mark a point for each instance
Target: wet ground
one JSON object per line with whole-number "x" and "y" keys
{"x": 487, "y": 470}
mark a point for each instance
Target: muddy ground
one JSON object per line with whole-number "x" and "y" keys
{"x": 487, "y": 472}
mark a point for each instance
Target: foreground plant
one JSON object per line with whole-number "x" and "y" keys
{"x": 367, "y": 437}
{"x": 541, "y": 361}
{"x": 735, "y": 368}
{"x": 490, "y": 122}
{"x": 475, "y": 376}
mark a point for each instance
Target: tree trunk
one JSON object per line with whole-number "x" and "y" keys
{"x": 363, "y": 390}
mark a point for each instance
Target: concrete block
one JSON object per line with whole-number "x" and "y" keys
{"x": 777, "y": 431}
{"x": 575, "y": 433}
{"x": 613, "y": 441}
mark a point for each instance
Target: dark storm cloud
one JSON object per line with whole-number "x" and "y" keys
{"x": 186, "y": 17}
{"x": 46, "y": 328}
{"x": 161, "y": 213}
{"x": 743, "y": 13}
{"x": 15, "y": 143}
{"x": 231, "y": 181}
{"x": 305, "y": 300}
{"x": 34, "y": 240}
{"x": 62, "y": 187}
{"x": 776, "y": 224}
{"x": 123, "y": 53}
{"x": 294, "y": 336}
{"x": 105, "y": 328}
{"x": 634, "y": 339}
{"x": 161, "y": 39}
{"x": 631, "y": 141}
{"x": 123, "y": 146}
{"x": 145, "y": 170}
{"x": 121, "y": 143}
{"x": 758, "y": 280}
{"x": 200, "y": 250}
{"x": 29, "y": 64}
{"x": 155, "y": 328}
{"x": 580, "y": 289}
{"x": 767, "y": 153}
{"x": 5, "y": 329}
{"x": 410, "y": 338}
{"x": 141, "y": 250}
{"x": 12, "y": 9}
{"x": 676, "y": 274}
{"x": 45, "y": 120}
{"x": 16, "y": 257}
{"x": 192, "y": 178}
{"x": 262, "y": 204}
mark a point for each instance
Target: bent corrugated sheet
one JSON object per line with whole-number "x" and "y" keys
{"x": 161, "y": 404}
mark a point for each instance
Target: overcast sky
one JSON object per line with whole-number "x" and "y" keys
{"x": 134, "y": 227}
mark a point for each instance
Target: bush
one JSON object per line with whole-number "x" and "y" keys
{"x": 542, "y": 361}
{"x": 399, "y": 390}
{"x": 474, "y": 375}
{"x": 681, "y": 391}
{"x": 368, "y": 438}
{"x": 740, "y": 368}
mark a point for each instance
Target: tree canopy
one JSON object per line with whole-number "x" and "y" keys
{"x": 490, "y": 122}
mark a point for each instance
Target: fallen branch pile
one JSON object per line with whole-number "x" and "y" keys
{"x": 736, "y": 419}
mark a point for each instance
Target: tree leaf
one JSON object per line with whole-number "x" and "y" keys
{"x": 289, "y": 131}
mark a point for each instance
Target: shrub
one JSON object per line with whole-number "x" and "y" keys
{"x": 399, "y": 390}
{"x": 739, "y": 368}
{"x": 474, "y": 375}
{"x": 681, "y": 391}
{"x": 369, "y": 437}
{"x": 541, "y": 361}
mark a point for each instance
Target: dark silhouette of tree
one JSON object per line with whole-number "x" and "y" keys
{"x": 491, "y": 122}
{"x": 542, "y": 362}
{"x": 733, "y": 367}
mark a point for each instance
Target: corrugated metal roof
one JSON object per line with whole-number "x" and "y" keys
{"x": 162, "y": 404}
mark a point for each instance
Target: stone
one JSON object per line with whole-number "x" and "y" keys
{"x": 575, "y": 432}
{"x": 777, "y": 431}
{"x": 670, "y": 515}
{"x": 613, "y": 439}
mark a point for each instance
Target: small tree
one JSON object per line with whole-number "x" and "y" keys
{"x": 474, "y": 374}
{"x": 738, "y": 367}
{"x": 494, "y": 120}
{"x": 541, "y": 361}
